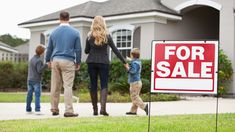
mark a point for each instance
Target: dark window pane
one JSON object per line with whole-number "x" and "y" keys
{"x": 118, "y": 38}
{"x": 128, "y": 44}
{"x": 124, "y": 44}
{"x": 129, "y": 38}
{"x": 123, "y": 38}
{"x": 118, "y": 44}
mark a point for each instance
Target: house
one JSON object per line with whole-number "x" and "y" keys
{"x": 135, "y": 23}
{"x": 7, "y": 53}
{"x": 14, "y": 54}
{"x": 23, "y": 52}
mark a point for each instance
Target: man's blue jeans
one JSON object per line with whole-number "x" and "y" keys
{"x": 36, "y": 87}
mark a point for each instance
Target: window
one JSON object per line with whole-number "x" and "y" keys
{"x": 123, "y": 39}
{"x": 45, "y": 37}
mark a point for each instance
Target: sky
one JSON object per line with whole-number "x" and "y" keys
{"x": 13, "y": 12}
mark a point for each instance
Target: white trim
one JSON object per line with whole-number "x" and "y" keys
{"x": 8, "y": 49}
{"x": 198, "y": 2}
{"x": 54, "y": 22}
{"x": 117, "y": 27}
{"x": 138, "y": 15}
{"x": 147, "y": 14}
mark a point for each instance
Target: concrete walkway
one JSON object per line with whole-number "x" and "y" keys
{"x": 191, "y": 105}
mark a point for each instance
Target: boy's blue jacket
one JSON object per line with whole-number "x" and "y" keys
{"x": 134, "y": 71}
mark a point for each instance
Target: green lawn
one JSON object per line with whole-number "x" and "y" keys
{"x": 178, "y": 123}
{"x": 19, "y": 98}
{"x": 85, "y": 97}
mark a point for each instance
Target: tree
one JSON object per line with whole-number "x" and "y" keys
{"x": 12, "y": 40}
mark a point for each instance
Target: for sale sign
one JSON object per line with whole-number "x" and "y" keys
{"x": 184, "y": 67}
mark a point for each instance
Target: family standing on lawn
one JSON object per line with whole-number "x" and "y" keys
{"x": 63, "y": 56}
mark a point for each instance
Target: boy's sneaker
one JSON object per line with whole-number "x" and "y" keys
{"x": 146, "y": 109}
{"x": 131, "y": 113}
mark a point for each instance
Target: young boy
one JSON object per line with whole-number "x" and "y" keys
{"x": 134, "y": 71}
{"x": 35, "y": 69}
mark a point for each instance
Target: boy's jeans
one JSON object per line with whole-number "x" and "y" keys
{"x": 36, "y": 87}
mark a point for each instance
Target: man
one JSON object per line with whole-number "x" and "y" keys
{"x": 64, "y": 56}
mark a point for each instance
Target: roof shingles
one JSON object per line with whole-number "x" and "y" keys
{"x": 108, "y": 8}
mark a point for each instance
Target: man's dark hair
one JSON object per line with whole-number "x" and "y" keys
{"x": 64, "y": 16}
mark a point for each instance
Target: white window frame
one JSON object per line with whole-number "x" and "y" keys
{"x": 47, "y": 34}
{"x": 121, "y": 27}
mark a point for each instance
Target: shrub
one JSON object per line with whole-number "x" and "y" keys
{"x": 120, "y": 85}
{"x": 118, "y": 77}
{"x": 225, "y": 73}
{"x": 13, "y": 75}
{"x": 20, "y": 75}
{"x": 6, "y": 72}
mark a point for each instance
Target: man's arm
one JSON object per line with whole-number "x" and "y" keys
{"x": 49, "y": 50}
{"x": 78, "y": 52}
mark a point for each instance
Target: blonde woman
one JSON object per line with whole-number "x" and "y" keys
{"x": 97, "y": 44}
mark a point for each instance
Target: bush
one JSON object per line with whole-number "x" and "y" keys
{"x": 225, "y": 73}
{"x": 13, "y": 75}
{"x": 118, "y": 77}
{"x": 6, "y": 72}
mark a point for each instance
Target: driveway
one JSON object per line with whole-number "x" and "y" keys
{"x": 191, "y": 105}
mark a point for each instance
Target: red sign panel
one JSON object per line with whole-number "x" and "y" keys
{"x": 184, "y": 67}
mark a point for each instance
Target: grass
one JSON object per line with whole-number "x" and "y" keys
{"x": 177, "y": 123}
{"x": 18, "y": 97}
{"x": 84, "y": 96}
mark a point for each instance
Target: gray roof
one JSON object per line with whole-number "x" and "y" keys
{"x": 108, "y": 8}
{"x": 6, "y": 46}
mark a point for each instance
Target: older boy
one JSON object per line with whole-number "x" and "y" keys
{"x": 35, "y": 69}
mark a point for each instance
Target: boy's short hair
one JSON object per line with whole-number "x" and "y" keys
{"x": 40, "y": 49}
{"x": 135, "y": 52}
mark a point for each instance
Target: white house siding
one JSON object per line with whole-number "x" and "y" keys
{"x": 24, "y": 49}
{"x": 34, "y": 41}
{"x": 83, "y": 34}
{"x": 227, "y": 32}
{"x": 147, "y": 35}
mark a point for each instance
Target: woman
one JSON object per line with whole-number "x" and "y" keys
{"x": 97, "y": 44}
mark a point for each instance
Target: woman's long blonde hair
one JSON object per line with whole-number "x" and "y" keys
{"x": 99, "y": 30}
